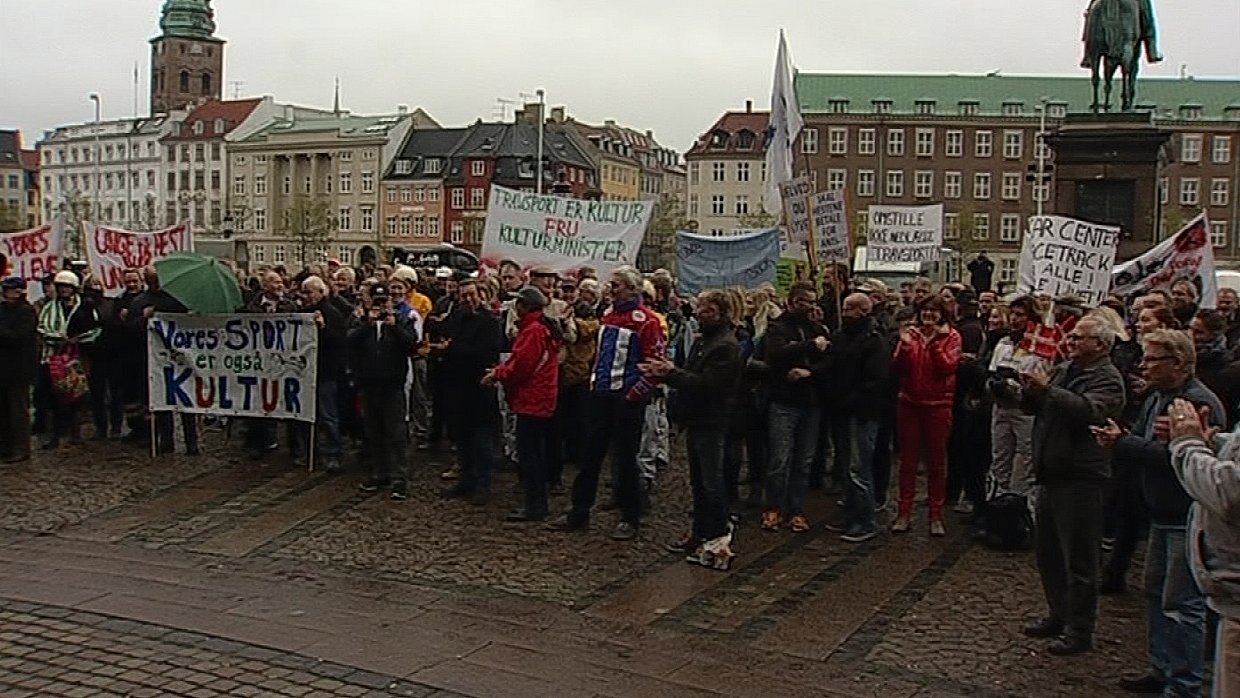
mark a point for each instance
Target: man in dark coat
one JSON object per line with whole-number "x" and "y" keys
{"x": 1072, "y": 469}
{"x": 333, "y": 326}
{"x": 19, "y": 341}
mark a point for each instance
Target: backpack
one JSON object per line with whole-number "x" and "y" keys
{"x": 1005, "y": 523}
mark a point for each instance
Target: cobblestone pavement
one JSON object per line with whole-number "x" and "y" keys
{"x": 218, "y": 576}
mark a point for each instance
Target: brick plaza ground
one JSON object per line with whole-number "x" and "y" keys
{"x": 218, "y": 576}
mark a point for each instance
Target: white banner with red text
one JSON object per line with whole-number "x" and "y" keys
{"x": 1186, "y": 255}
{"x": 110, "y": 251}
{"x": 251, "y": 365}
{"x": 32, "y": 254}
{"x": 563, "y": 233}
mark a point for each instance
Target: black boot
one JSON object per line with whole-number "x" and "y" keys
{"x": 1073, "y": 642}
{"x": 1044, "y": 628}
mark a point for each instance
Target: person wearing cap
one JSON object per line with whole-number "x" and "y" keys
{"x": 404, "y": 283}
{"x": 530, "y": 376}
{"x": 65, "y": 324}
{"x": 379, "y": 344}
{"x": 19, "y": 342}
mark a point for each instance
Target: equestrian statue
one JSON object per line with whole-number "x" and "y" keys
{"x": 1115, "y": 33}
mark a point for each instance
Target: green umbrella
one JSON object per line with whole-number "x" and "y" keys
{"x": 203, "y": 284}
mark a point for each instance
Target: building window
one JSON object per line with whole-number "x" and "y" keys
{"x": 838, "y": 106}
{"x": 405, "y": 226}
{"x": 952, "y": 185}
{"x": 345, "y": 255}
{"x": 238, "y": 185}
{"x": 1219, "y": 191}
{"x": 279, "y": 257}
{"x": 368, "y": 154}
{"x": 1190, "y": 191}
{"x": 1190, "y": 111}
{"x": 307, "y": 184}
{"x": 838, "y": 140}
{"x": 1013, "y": 144}
{"x": 981, "y": 186}
{"x": 260, "y": 219}
{"x": 967, "y": 108}
{"x": 327, "y": 184}
{"x": 865, "y": 183}
{"x": 458, "y": 198}
{"x": 478, "y": 168}
{"x": 695, "y": 173}
{"x": 368, "y": 183}
{"x": 719, "y": 172}
{"x": 477, "y": 197}
{"x": 865, "y": 141}
{"x": 882, "y": 106}
{"x": 923, "y": 184}
{"x": 837, "y": 179}
{"x": 1042, "y": 150}
{"x": 983, "y": 144}
{"x": 419, "y": 193}
{"x": 1011, "y": 186}
{"x": 345, "y": 219}
{"x": 419, "y": 227}
{"x": 925, "y": 142}
{"x": 809, "y": 141}
{"x": 717, "y": 205}
{"x": 1220, "y": 153}
{"x": 432, "y": 194}
{"x": 693, "y": 206}
{"x": 954, "y": 146}
{"x": 215, "y": 180}
{"x": 458, "y": 232}
{"x": 391, "y": 226}
{"x": 391, "y": 195}
{"x": 1009, "y": 227}
{"x": 1041, "y": 192}
{"x": 981, "y": 226}
{"x": 406, "y": 194}
{"x": 368, "y": 219}
{"x": 742, "y": 204}
{"x": 951, "y": 226}
{"x": 925, "y": 107}
{"x": 895, "y": 183}
{"x": 432, "y": 226}
{"x": 346, "y": 183}
{"x": 1218, "y": 233}
{"x": 260, "y": 253}
{"x": 895, "y": 142}
{"x": 1007, "y": 270}
{"x": 287, "y": 185}
{"x": 404, "y": 166}
{"x": 1164, "y": 190}
{"x": 742, "y": 172}
{"x": 432, "y": 166}
{"x": 1013, "y": 109}
{"x": 1190, "y": 147}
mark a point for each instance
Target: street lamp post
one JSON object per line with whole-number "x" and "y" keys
{"x": 542, "y": 124}
{"x": 94, "y": 97}
{"x": 1042, "y": 190}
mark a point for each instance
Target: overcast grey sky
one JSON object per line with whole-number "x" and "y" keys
{"x": 668, "y": 65}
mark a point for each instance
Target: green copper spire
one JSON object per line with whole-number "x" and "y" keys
{"x": 189, "y": 19}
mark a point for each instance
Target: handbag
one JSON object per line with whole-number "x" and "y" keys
{"x": 68, "y": 374}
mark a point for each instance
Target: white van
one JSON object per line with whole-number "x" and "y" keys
{"x": 893, "y": 273}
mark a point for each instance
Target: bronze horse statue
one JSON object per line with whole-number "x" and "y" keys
{"x": 1113, "y": 42}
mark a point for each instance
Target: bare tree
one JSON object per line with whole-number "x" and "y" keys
{"x": 308, "y": 224}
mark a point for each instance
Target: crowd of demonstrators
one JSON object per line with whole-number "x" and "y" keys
{"x": 1040, "y": 421}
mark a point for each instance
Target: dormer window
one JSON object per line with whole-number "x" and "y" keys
{"x": 198, "y": 128}
{"x": 968, "y": 107}
{"x": 882, "y": 106}
{"x": 1058, "y": 110}
{"x": 1232, "y": 112}
{"x": 433, "y": 166}
{"x": 719, "y": 140}
{"x": 925, "y": 107}
{"x": 404, "y": 166}
{"x": 525, "y": 169}
{"x": 745, "y": 139}
{"x": 220, "y": 126}
{"x": 838, "y": 106}
{"x": 1190, "y": 111}
{"x": 1013, "y": 108}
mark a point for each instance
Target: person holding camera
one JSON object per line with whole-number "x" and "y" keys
{"x": 379, "y": 345}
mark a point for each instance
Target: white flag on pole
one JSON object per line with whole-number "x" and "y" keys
{"x": 782, "y": 132}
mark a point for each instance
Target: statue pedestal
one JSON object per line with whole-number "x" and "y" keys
{"x": 1107, "y": 168}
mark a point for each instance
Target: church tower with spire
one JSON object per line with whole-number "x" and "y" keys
{"x": 187, "y": 59}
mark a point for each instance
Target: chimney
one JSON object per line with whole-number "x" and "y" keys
{"x": 609, "y": 123}
{"x": 402, "y": 109}
{"x": 749, "y": 106}
{"x": 557, "y": 115}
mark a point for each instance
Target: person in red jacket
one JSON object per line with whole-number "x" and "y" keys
{"x": 530, "y": 378}
{"x": 925, "y": 359}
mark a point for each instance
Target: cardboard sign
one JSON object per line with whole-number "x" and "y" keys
{"x": 796, "y": 195}
{"x": 831, "y": 241}
{"x": 111, "y": 251}
{"x": 32, "y": 254}
{"x": 1063, "y": 255}
{"x": 1185, "y": 255}
{"x": 912, "y": 234}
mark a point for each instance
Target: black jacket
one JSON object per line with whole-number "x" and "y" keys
{"x": 1165, "y": 498}
{"x": 706, "y": 385}
{"x": 1218, "y": 368}
{"x": 789, "y": 345}
{"x": 332, "y": 336}
{"x": 1064, "y": 450}
{"x": 19, "y": 344}
{"x": 860, "y": 365}
{"x": 380, "y": 355}
{"x": 476, "y": 341}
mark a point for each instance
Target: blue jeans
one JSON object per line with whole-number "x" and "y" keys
{"x": 327, "y": 431}
{"x": 793, "y": 438}
{"x": 859, "y": 497}
{"x": 476, "y": 451}
{"x": 1176, "y": 613}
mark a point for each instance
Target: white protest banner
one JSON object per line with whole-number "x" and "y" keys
{"x": 240, "y": 365}
{"x": 111, "y": 251}
{"x": 1063, "y": 255}
{"x": 1185, "y": 255}
{"x": 831, "y": 240}
{"x": 562, "y": 233}
{"x": 33, "y": 253}
{"x": 910, "y": 234}
{"x": 796, "y": 208}
{"x": 721, "y": 262}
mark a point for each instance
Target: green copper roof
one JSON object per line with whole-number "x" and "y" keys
{"x": 188, "y": 19}
{"x": 344, "y": 126}
{"x": 1217, "y": 98}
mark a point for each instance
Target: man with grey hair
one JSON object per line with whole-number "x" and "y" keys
{"x": 1175, "y": 606}
{"x": 333, "y": 329}
{"x": 1072, "y": 469}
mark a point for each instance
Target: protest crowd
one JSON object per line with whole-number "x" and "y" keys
{"x": 1037, "y": 422}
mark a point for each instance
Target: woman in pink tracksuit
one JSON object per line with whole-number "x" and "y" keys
{"x": 925, "y": 360}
